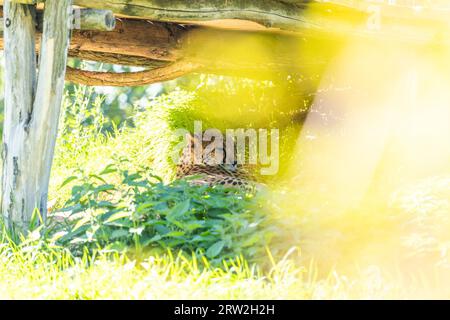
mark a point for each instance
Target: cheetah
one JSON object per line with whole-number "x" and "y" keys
{"x": 212, "y": 169}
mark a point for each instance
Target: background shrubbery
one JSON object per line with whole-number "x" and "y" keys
{"x": 142, "y": 214}
{"x": 134, "y": 205}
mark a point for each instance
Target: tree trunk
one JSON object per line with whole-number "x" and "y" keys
{"x": 31, "y": 109}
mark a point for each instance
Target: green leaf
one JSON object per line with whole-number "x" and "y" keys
{"x": 153, "y": 239}
{"x": 144, "y": 206}
{"x": 67, "y": 181}
{"x": 117, "y": 216}
{"x": 180, "y": 209}
{"x": 97, "y": 177}
{"x": 162, "y": 229}
{"x": 215, "y": 249}
{"x": 109, "y": 169}
{"x": 175, "y": 234}
{"x": 193, "y": 226}
{"x": 105, "y": 187}
{"x": 81, "y": 223}
{"x": 119, "y": 234}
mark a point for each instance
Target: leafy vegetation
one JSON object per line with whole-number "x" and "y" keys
{"x": 143, "y": 213}
{"x": 127, "y": 230}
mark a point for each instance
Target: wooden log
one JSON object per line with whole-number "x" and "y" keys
{"x": 269, "y": 13}
{"x": 410, "y": 20}
{"x": 25, "y": 1}
{"x": 135, "y": 40}
{"x": 336, "y": 16}
{"x": 155, "y": 44}
{"x": 31, "y": 107}
{"x": 205, "y": 50}
{"x": 418, "y": 21}
{"x": 18, "y": 197}
{"x": 151, "y": 41}
{"x": 165, "y": 73}
{"x": 43, "y": 125}
{"x": 83, "y": 19}
{"x": 92, "y": 19}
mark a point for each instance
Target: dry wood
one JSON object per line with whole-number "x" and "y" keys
{"x": 83, "y": 19}
{"x": 32, "y": 107}
{"x": 165, "y": 73}
{"x": 20, "y": 68}
{"x": 155, "y": 44}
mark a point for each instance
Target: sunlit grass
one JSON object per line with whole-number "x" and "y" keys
{"x": 366, "y": 201}
{"x": 33, "y": 274}
{"x": 395, "y": 248}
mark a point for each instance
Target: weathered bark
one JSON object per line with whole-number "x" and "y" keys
{"x": 269, "y": 13}
{"x": 43, "y": 124}
{"x": 31, "y": 109}
{"x": 156, "y": 44}
{"x": 20, "y": 65}
{"x": 138, "y": 42}
{"x": 152, "y": 41}
{"x": 335, "y": 17}
{"x": 169, "y": 72}
{"x": 83, "y": 19}
{"x": 91, "y": 19}
{"x": 25, "y": 1}
{"x": 406, "y": 18}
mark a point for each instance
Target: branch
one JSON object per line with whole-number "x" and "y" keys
{"x": 126, "y": 79}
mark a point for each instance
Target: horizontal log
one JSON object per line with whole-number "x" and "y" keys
{"x": 253, "y": 55}
{"x": 269, "y": 13}
{"x": 161, "y": 74}
{"x": 93, "y": 19}
{"x": 157, "y": 44}
{"x": 83, "y": 19}
{"x": 401, "y": 20}
{"x": 25, "y": 1}
{"x": 153, "y": 44}
{"x": 137, "y": 38}
{"x": 418, "y": 21}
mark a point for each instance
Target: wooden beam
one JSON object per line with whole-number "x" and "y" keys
{"x": 144, "y": 41}
{"x": 208, "y": 50}
{"x": 269, "y": 13}
{"x": 25, "y": 1}
{"x": 43, "y": 124}
{"x": 93, "y": 19}
{"x": 156, "y": 44}
{"x": 419, "y": 21}
{"x": 18, "y": 198}
{"x": 32, "y": 107}
{"x": 406, "y": 20}
{"x": 165, "y": 73}
{"x": 83, "y": 19}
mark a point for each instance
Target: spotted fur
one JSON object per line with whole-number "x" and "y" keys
{"x": 211, "y": 169}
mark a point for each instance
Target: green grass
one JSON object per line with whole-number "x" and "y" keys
{"x": 398, "y": 248}
{"x": 28, "y": 273}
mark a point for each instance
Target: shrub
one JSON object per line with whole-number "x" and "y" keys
{"x": 145, "y": 214}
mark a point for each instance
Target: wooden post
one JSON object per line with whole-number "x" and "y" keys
{"x": 20, "y": 67}
{"x": 31, "y": 108}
